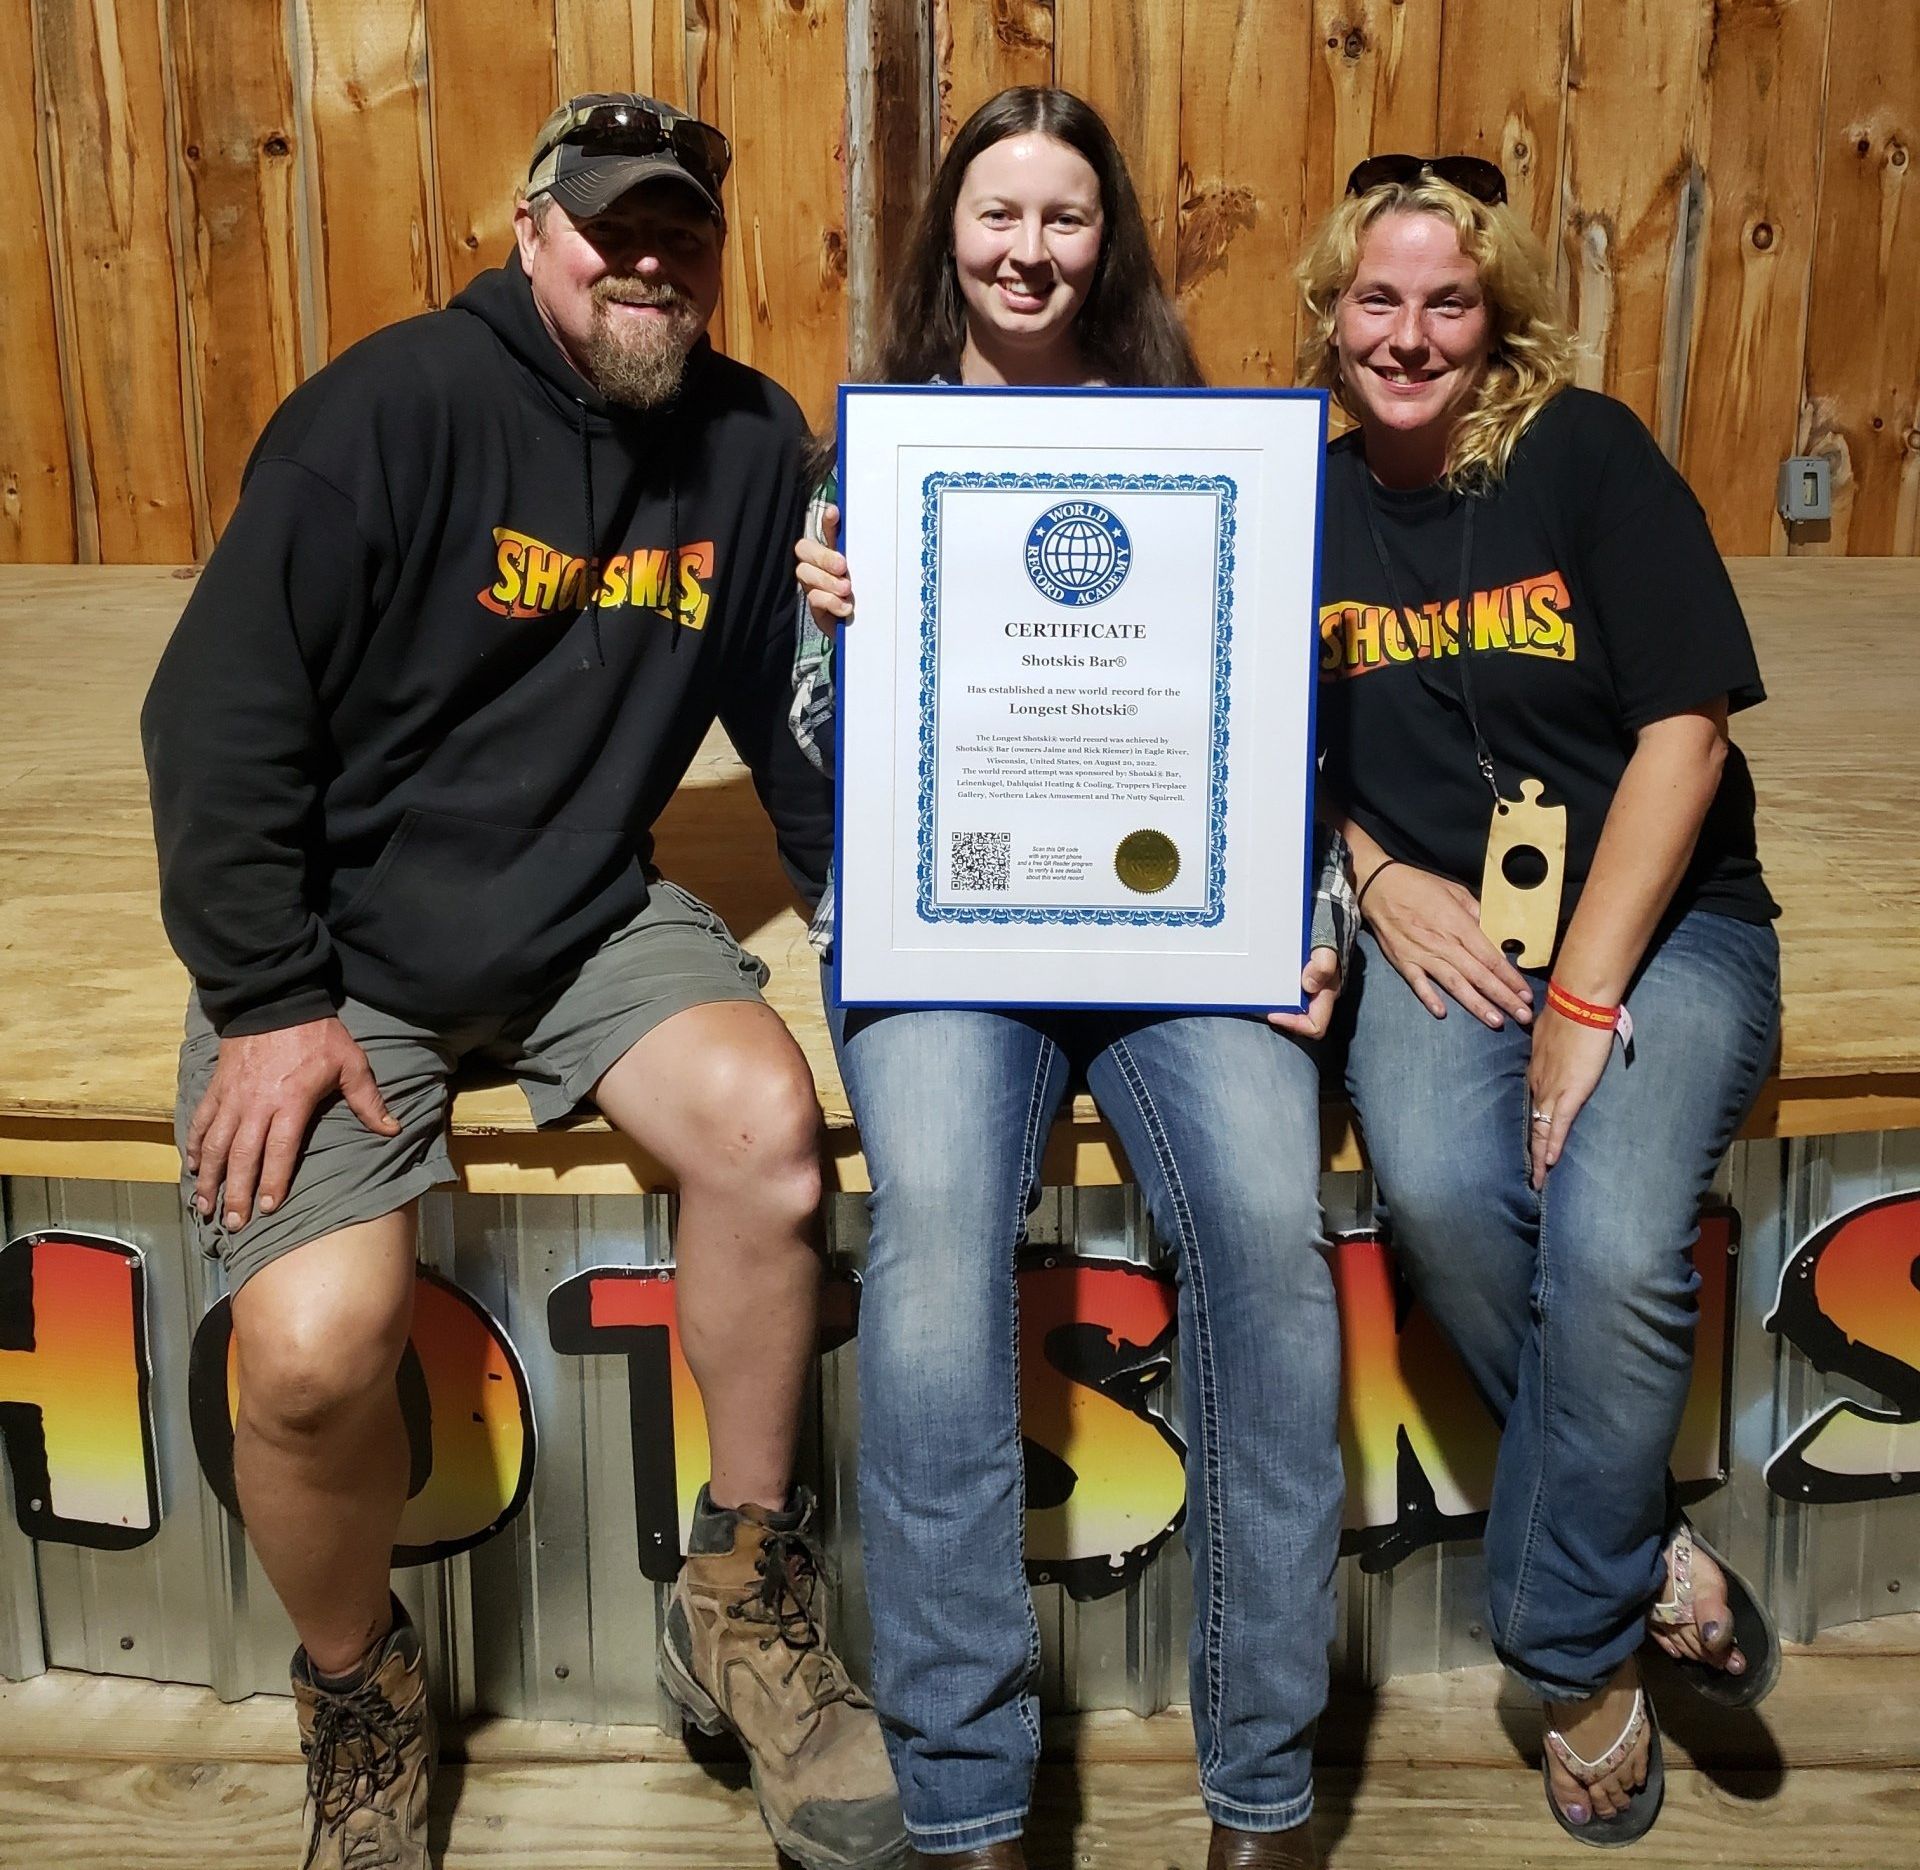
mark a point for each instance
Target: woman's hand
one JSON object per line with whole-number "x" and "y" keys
{"x": 1319, "y": 987}
{"x": 823, "y": 575}
{"x": 1429, "y": 928}
{"x": 1568, "y": 1059}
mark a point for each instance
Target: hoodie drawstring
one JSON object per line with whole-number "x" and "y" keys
{"x": 590, "y": 593}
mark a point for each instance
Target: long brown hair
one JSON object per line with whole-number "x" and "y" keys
{"x": 1127, "y": 328}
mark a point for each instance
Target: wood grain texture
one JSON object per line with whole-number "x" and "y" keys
{"x": 1503, "y": 77}
{"x": 889, "y": 155}
{"x": 239, "y": 204}
{"x": 981, "y": 47}
{"x": 1761, "y": 148}
{"x": 1862, "y": 407}
{"x": 90, "y": 1013}
{"x": 1243, "y": 165}
{"x": 363, "y": 75}
{"x": 36, "y": 490}
{"x": 620, "y": 45}
{"x": 786, "y": 261}
{"x": 1631, "y": 188}
{"x": 1373, "y": 87}
{"x": 1124, "y": 58}
{"x": 105, "y": 97}
{"x": 1137, "y": 1815}
{"x": 1466, "y": 1717}
{"x": 492, "y": 65}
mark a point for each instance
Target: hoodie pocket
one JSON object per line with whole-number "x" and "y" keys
{"x": 461, "y": 919}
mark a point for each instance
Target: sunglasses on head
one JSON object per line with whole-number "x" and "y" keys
{"x": 622, "y": 128}
{"x": 1471, "y": 175}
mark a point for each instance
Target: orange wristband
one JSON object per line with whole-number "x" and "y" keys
{"x": 1614, "y": 1019}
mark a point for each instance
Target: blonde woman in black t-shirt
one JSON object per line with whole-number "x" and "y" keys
{"x": 1566, "y": 995}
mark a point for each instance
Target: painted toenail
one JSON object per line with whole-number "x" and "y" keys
{"x": 1736, "y": 1664}
{"x": 1576, "y": 1814}
{"x": 1711, "y": 1631}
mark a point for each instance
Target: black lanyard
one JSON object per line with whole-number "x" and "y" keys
{"x": 1429, "y": 678}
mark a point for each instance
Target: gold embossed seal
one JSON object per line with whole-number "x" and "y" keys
{"x": 1147, "y": 861}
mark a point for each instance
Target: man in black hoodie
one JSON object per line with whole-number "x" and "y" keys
{"x": 492, "y": 575}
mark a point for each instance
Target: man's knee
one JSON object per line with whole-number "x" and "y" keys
{"x": 312, "y": 1353}
{"x": 755, "y": 1118}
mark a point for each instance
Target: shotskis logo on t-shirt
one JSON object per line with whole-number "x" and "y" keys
{"x": 1528, "y": 617}
{"x": 534, "y": 579}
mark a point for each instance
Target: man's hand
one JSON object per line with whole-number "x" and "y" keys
{"x": 253, "y": 1120}
{"x": 1320, "y": 987}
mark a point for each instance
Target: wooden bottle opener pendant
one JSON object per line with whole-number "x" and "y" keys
{"x": 1525, "y": 871}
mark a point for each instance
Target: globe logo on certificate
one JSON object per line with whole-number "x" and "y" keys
{"x": 1078, "y": 553}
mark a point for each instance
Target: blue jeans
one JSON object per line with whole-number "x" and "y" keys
{"x": 1219, "y": 1117}
{"x": 1573, "y": 1309}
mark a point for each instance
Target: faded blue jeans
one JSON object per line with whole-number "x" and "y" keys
{"x": 1573, "y": 1309}
{"x": 1219, "y": 1117}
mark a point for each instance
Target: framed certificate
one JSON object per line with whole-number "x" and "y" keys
{"x": 1075, "y": 738}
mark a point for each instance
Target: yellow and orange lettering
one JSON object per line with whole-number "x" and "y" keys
{"x": 510, "y": 551}
{"x": 1850, "y": 1301}
{"x": 73, "y": 1391}
{"x": 544, "y": 570}
{"x": 573, "y": 584}
{"x": 1547, "y": 604}
{"x": 648, "y": 589}
{"x": 1489, "y": 620}
{"x": 1403, "y": 1380}
{"x": 1092, "y": 1334}
{"x": 1363, "y": 639}
{"x": 613, "y": 583}
{"x": 1395, "y": 638}
{"x": 696, "y": 568}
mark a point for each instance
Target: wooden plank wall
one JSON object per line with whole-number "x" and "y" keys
{"x": 228, "y": 192}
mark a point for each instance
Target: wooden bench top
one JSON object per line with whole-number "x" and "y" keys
{"x": 91, "y": 995}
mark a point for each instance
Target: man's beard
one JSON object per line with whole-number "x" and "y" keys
{"x": 640, "y": 362}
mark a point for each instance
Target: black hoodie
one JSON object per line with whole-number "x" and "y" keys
{"x": 457, "y": 646}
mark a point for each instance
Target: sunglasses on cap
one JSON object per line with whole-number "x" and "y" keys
{"x": 1471, "y": 175}
{"x": 633, "y": 127}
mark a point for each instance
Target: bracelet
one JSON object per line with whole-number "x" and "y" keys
{"x": 1373, "y": 877}
{"x": 1614, "y": 1019}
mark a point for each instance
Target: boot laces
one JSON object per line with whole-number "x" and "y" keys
{"x": 358, "y": 1750}
{"x": 789, "y": 1572}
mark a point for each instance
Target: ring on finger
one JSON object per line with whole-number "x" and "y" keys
{"x": 1543, "y": 1117}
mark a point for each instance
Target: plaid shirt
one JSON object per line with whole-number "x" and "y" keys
{"x": 1334, "y": 916}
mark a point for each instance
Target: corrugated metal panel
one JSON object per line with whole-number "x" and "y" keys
{"x": 554, "y": 1618}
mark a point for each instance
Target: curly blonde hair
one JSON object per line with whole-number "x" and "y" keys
{"x": 1534, "y": 349}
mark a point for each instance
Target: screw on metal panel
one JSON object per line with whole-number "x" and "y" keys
{"x": 35, "y": 1506}
{"x": 560, "y": 1671}
{"x": 1475, "y": 1631}
{"x": 126, "y": 1642}
{"x": 1893, "y": 1585}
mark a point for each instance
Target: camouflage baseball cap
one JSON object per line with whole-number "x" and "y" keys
{"x": 598, "y": 145}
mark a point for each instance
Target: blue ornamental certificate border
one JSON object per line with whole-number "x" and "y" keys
{"x": 933, "y": 489}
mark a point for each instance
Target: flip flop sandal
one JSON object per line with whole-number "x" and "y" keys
{"x": 1755, "y": 1633}
{"x": 1625, "y": 1827}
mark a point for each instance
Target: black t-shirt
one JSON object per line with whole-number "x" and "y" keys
{"x": 1599, "y": 603}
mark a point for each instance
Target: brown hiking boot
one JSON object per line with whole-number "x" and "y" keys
{"x": 1291, "y": 1849}
{"x": 370, "y": 1752}
{"x": 744, "y": 1653}
{"x": 984, "y": 1857}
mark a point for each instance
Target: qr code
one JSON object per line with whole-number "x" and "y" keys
{"x": 982, "y": 860}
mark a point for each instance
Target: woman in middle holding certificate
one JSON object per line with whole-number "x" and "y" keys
{"x": 1030, "y": 264}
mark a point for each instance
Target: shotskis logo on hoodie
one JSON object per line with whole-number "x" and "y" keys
{"x": 534, "y": 579}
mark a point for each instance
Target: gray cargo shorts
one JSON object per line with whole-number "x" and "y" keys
{"x": 675, "y": 954}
